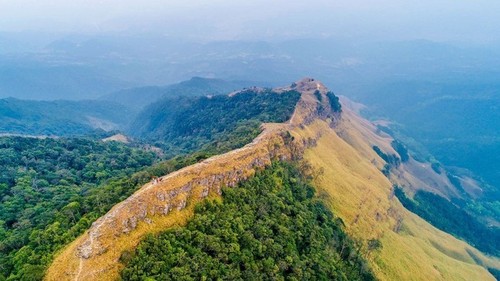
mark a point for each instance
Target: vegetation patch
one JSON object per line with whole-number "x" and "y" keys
{"x": 391, "y": 159}
{"x": 446, "y": 216}
{"x": 334, "y": 102}
{"x": 269, "y": 227}
{"x": 50, "y": 192}
{"x": 401, "y": 150}
{"x": 186, "y": 124}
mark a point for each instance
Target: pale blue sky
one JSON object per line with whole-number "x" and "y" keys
{"x": 442, "y": 20}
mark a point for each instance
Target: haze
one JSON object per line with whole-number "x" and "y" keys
{"x": 458, "y": 21}
{"x": 432, "y": 67}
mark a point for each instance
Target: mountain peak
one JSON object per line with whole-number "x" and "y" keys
{"x": 309, "y": 84}
{"x": 305, "y": 85}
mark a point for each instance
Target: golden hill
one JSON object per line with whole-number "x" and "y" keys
{"x": 350, "y": 182}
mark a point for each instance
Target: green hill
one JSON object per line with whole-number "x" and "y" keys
{"x": 138, "y": 98}
{"x": 185, "y": 124}
{"x": 61, "y": 118}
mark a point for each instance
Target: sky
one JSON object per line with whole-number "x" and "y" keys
{"x": 439, "y": 20}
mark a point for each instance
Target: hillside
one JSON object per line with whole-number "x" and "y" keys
{"x": 51, "y": 189}
{"x": 456, "y": 121}
{"x": 186, "y": 124}
{"x": 288, "y": 235}
{"x": 52, "y": 77}
{"x": 363, "y": 197}
{"x": 60, "y": 118}
{"x": 138, "y": 98}
{"x": 348, "y": 176}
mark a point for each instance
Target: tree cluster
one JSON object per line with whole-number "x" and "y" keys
{"x": 444, "y": 215}
{"x": 50, "y": 192}
{"x": 269, "y": 227}
{"x": 186, "y": 124}
{"x": 334, "y": 102}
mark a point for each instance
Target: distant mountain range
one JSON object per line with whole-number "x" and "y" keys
{"x": 61, "y": 118}
{"x": 111, "y": 112}
{"x": 137, "y": 98}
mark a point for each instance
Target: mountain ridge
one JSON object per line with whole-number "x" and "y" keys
{"x": 195, "y": 182}
{"x": 60, "y": 117}
{"x": 332, "y": 144}
{"x": 139, "y": 97}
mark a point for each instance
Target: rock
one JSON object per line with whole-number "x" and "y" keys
{"x": 182, "y": 204}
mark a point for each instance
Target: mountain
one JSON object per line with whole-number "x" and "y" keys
{"x": 456, "y": 122}
{"x": 182, "y": 124}
{"x": 408, "y": 82}
{"x": 60, "y": 118}
{"x": 138, "y": 98}
{"x": 356, "y": 171}
{"x": 39, "y": 77}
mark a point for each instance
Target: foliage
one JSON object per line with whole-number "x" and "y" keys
{"x": 53, "y": 189}
{"x": 436, "y": 167}
{"x": 374, "y": 245}
{"x": 495, "y": 272}
{"x": 68, "y": 184}
{"x": 318, "y": 96}
{"x": 269, "y": 227}
{"x": 446, "y": 216}
{"x": 48, "y": 195}
{"x": 334, "y": 102}
{"x": 138, "y": 98}
{"x": 185, "y": 124}
{"x": 401, "y": 150}
{"x": 60, "y": 118}
{"x": 386, "y": 170}
{"x": 391, "y": 159}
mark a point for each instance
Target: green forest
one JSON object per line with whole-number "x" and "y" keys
{"x": 52, "y": 189}
{"x": 270, "y": 227}
{"x": 186, "y": 124}
{"x": 50, "y": 192}
{"x": 444, "y": 215}
{"x": 334, "y": 102}
{"x": 60, "y": 117}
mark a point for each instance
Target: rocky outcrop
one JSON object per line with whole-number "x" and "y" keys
{"x": 190, "y": 184}
{"x": 98, "y": 250}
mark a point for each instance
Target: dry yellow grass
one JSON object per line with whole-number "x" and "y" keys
{"x": 362, "y": 196}
{"x": 154, "y": 208}
{"x": 351, "y": 184}
{"x": 107, "y": 266}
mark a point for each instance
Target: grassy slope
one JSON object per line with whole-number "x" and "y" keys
{"x": 361, "y": 195}
{"x": 105, "y": 266}
{"x": 353, "y": 186}
{"x": 66, "y": 265}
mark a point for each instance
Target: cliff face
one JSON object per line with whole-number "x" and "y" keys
{"x": 351, "y": 183}
{"x": 94, "y": 256}
{"x": 173, "y": 191}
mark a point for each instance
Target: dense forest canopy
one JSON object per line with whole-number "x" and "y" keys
{"x": 269, "y": 227}
{"x": 50, "y": 191}
{"x": 61, "y": 118}
{"x": 444, "y": 215}
{"x": 185, "y": 124}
